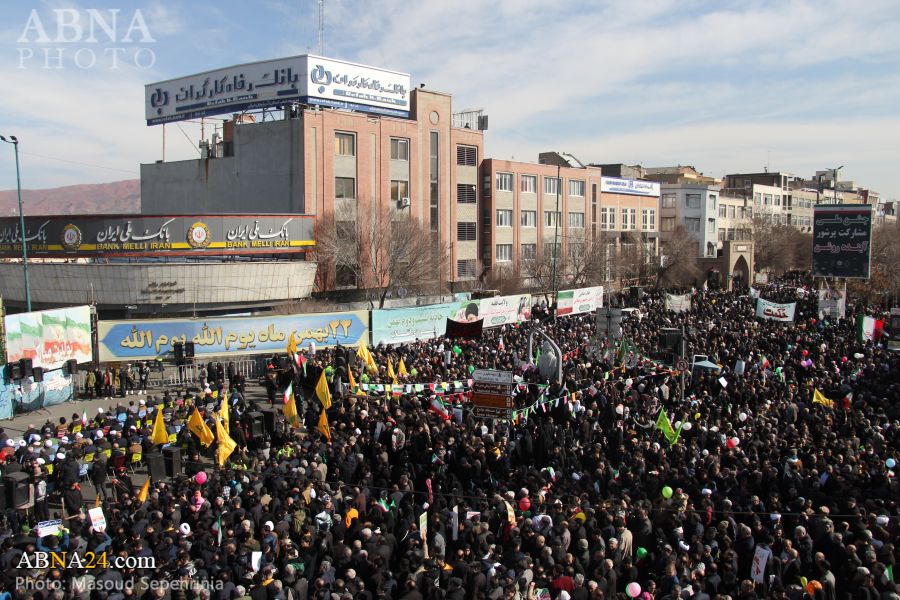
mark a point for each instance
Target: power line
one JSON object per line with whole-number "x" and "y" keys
{"x": 75, "y": 162}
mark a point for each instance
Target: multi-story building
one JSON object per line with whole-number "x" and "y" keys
{"x": 735, "y": 220}
{"x": 533, "y": 212}
{"x": 629, "y": 227}
{"x": 688, "y": 199}
{"x": 323, "y": 161}
{"x": 800, "y": 208}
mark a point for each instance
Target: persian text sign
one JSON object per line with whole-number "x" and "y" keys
{"x": 144, "y": 340}
{"x": 832, "y": 303}
{"x": 775, "y": 311}
{"x": 504, "y": 310}
{"x": 678, "y": 303}
{"x": 581, "y": 300}
{"x": 842, "y": 238}
{"x": 50, "y": 337}
{"x": 297, "y": 79}
{"x": 157, "y": 236}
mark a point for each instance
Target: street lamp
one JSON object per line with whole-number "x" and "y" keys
{"x": 556, "y": 243}
{"x": 15, "y": 142}
{"x": 835, "y": 171}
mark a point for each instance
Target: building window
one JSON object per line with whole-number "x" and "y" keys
{"x": 648, "y": 219}
{"x": 399, "y": 149}
{"x": 466, "y": 156}
{"x": 757, "y": 197}
{"x": 551, "y": 250}
{"x": 344, "y": 144}
{"x": 529, "y": 251}
{"x": 731, "y": 212}
{"x": 576, "y": 188}
{"x": 607, "y": 218}
{"x": 528, "y": 184}
{"x": 551, "y": 218}
{"x": 710, "y": 249}
{"x": 504, "y": 182}
{"x": 629, "y": 218}
{"x": 777, "y": 200}
{"x": 465, "y": 231}
{"x": 576, "y": 220}
{"x": 721, "y": 234}
{"x": 465, "y": 193}
{"x": 767, "y": 199}
{"x": 345, "y": 187}
{"x": 692, "y": 224}
{"x": 399, "y": 190}
{"x": 551, "y": 186}
{"x": 710, "y": 226}
{"x": 465, "y": 268}
{"x": 723, "y": 211}
{"x": 434, "y": 194}
{"x": 667, "y": 224}
{"x": 668, "y": 200}
{"x": 729, "y": 235}
{"x": 504, "y": 253}
{"x": 529, "y": 218}
{"x": 711, "y": 202}
{"x": 692, "y": 200}
{"x": 504, "y": 218}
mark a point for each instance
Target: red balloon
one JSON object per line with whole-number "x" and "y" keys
{"x": 524, "y": 504}
{"x": 805, "y": 353}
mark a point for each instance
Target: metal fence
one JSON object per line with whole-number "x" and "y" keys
{"x": 187, "y": 375}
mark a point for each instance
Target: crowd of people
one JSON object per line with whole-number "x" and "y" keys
{"x": 763, "y": 493}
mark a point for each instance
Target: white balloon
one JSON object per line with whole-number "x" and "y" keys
{"x": 687, "y": 426}
{"x": 620, "y": 409}
{"x": 677, "y": 424}
{"x": 742, "y": 416}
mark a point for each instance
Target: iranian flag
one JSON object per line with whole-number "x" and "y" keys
{"x": 869, "y": 329}
{"x": 437, "y": 406}
{"x": 288, "y": 393}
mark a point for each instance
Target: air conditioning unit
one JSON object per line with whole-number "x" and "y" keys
{"x": 403, "y": 203}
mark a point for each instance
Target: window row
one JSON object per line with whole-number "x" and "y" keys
{"x": 503, "y": 182}
{"x": 628, "y": 219}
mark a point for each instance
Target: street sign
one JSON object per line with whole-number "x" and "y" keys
{"x": 492, "y": 376}
{"x": 495, "y": 400}
{"x": 488, "y": 412}
{"x": 681, "y": 365}
{"x": 483, "y": 387}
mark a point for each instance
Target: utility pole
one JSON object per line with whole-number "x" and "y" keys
{"x": 15, "y": 142}
{"x": 321, "y": 29}
{"x": 556, "y": 248}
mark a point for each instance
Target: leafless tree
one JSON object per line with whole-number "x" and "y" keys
{"x": 884, "y": 276}
{"x": 377, "y": 249}
{"x": 678, "y": 262}
{"x": 778, "y": 247}
{"x": 586, "y": 260}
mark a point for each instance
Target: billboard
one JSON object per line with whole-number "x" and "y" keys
{"x": 635, "y": 187}
{"x": 842, "y": 239}
{"x": 148, "y": 339}
{"x": 581, "y": 300}
{"x": 305, "y": 79}
{"x": 832, "y": 303}
{"x": 69, "y": 236}
{"x": 50, "y": 337}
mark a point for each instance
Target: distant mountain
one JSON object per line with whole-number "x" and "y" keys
{"x": 117, "y": 197}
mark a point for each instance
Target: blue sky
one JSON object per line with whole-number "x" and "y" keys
{"x": 725, "y": 86}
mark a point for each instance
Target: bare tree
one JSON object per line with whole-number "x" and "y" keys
{"x": 884, "y": 276}
{"x": 778, "y": 247}
{"x": 586, "y": 261}
{"x": 678, "y": 263}
{"x": 377, "y": 250}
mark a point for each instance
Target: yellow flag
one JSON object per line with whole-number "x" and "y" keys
{"x": 142, "y": 495}
{"x": 366, "y": 356}
{"x": 350, "y": 381}
{"x": 401, "y": 368}
{"x": 160, "y": 436}
{"x": 226, "y": 444}
{"x": 292, "y": 345}
{"x": 323, "y": 393}
{"x": 390, "y": 371}
{"x": 97, "y": 501}
{"x": 323, "y": 425}
{"x": 819, "y": 398}
{"x": 198, "y": 427}
{"x": 223, "y": 412}
{"x": 290, "y": 412}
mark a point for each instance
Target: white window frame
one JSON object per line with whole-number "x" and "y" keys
{"x": 401, "y": 145}
{"x": 576, "y": 224}
{"x": 549, "y": 189}
{"x": 528, "y": 223}
{"x": 501, "y": 181}
{"x": 507, "y": 250}
{"x": 341, "y": 134}
{"x": 504, "y": 217}
{"x": 550, "y": 220}
{"x": 576, "y": 188}
{"x": 528, "y": 184}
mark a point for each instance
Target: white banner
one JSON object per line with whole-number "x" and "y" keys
{"x": 678, "y": 304}
{"x": 760, "y": 560}
{"x": 581, "y": 300}
{"x": 503, "y": 310}
{"x": 775, "y": 311}
{"x": 832, "y": 303}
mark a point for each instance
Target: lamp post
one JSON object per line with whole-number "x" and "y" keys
{"x": 15, "y": 142}
{"x": 835, "y": 171}
{"x": 556, "y": 244}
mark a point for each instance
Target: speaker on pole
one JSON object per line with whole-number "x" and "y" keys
{"x": 189, "y": 349}
{"x": 172, "y": 460}
{"x": 26, "y": 365}
{"x": 37, "y": 374}
{"x": 71, "y": 366}
{"x": 16, "y": 489}
{"x": 257, "y": 424}
{"x": 268, "y": 419}
{"x": 156, "y": 465}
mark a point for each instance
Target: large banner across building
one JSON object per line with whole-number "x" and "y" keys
{"x": 305, "y": 79}
{"x": 842, "y": 239}
{"x": 68, "y": 236}
{"x": 50, "y": 337}
{"x": 148, "y": 339}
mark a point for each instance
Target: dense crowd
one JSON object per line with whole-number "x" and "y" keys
{"x": 764, "y": 493}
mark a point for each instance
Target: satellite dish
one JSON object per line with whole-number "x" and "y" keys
{"x": 402, "y": 292}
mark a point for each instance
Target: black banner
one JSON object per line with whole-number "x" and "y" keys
{"x": 464, "y": 331}
{"x": 842, "y": 239}
{"x": 66, "y": 236}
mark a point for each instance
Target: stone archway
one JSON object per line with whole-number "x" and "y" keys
{"x": 740, "y": 273}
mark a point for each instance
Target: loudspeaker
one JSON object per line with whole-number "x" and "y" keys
{"x": 16, "y": 489}
{"x": 189, "y": 349}
{"x": 636, "y": 292}
{"x": 26, "y": 365}
{"x": 38, "y": 374}
{"x": 178, "y": 350}
{"x": 669, "y": 340}
{"x": 257, "y": 424}
{"x": 71, "y": 366}
{"x": 14, "y": 371}
{"x": 172, "y": 459}
{"x": 268, "y": 419}
{"x": 155, "y": 465}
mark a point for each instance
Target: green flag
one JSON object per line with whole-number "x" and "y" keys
{"x": 664, "y": 425}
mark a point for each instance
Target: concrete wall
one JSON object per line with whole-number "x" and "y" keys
{"x": 265, "y": 175}
{"x": 208, "y": 284}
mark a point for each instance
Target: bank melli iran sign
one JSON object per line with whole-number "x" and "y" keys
{"x": 57, "y": 236}
{"x": 305, "y": 79}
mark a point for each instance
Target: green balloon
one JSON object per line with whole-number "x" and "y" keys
{"x": 667, "y": 492}
{"x": 641, "y": 553}
{"x": 457, "y": 350}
